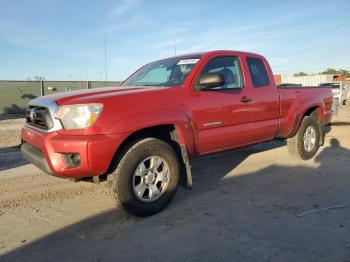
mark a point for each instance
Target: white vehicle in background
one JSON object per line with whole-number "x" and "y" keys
{"x": 341, "y": 94}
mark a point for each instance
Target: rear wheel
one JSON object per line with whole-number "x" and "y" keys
{"x": 305, "y": 144}
{"x": 147, "y": 176}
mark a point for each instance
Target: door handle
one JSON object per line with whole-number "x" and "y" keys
{"x": 245, "y": 99}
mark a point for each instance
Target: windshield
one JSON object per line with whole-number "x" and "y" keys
{"x": 335, "y": 86}
{"x": 168, "y": 72}
{"x": 331, "y": 85}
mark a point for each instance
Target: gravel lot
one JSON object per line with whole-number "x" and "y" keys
{"x": 245, "y": 206}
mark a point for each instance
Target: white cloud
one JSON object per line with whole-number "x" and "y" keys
{"x": 134, "y": 21}
{"x": 122, "y": 8}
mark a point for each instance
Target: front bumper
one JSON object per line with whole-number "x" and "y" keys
{"x": 45, "y": 151}
{"x": 35, "y": 156}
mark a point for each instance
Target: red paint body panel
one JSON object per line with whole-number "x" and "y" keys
{"x": 296, "y": 101}
{"x": 96, "y": 151}
{"x": 205, "y": 121}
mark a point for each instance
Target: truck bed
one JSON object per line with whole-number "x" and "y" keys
{"x": 294, "y": 99}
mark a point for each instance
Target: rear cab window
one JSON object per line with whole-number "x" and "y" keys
{"x": 230, "y": 69}
{"x": 258, "y": 72}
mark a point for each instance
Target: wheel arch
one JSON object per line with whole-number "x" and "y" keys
{"x": 173, "y": 134}
{"x": 314, "y": 111}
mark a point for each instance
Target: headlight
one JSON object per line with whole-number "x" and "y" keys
{"x": 78, "y": 116}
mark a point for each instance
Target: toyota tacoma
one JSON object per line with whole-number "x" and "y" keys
{"x": 144, "y": 133}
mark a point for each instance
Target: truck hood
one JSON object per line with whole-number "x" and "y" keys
{"x": 91, "y": 94}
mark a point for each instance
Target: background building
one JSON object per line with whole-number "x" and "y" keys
{"x": 310, "y": 80}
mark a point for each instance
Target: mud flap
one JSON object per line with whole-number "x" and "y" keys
{"x": 187, "y": 166}
{"x": 321, "y": 128}
{"x": 96, "y": 179}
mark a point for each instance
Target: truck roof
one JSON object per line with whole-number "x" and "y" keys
{"x": 215, "y": 52}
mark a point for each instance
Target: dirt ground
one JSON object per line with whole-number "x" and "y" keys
{"x": 246, "y": 205}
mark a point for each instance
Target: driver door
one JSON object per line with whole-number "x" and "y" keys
{"x": 222, "y": 116}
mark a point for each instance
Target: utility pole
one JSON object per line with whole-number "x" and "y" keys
{"x": 106, "y": 57}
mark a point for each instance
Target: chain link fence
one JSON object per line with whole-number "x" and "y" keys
{"x": 15, "y": 95}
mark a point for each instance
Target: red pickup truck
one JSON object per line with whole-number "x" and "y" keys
{"x": 144, "y": 132}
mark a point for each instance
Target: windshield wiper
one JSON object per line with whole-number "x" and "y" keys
{"x": 151, "y": 85}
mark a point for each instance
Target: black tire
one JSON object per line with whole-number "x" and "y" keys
{"x": 132, "y": 156}
{"x": 295, "y": 144}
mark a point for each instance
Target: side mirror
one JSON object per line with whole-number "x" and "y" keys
{"x": 211, "y": 80}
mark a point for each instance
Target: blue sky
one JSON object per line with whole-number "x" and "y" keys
{"x": 62, "y": 39}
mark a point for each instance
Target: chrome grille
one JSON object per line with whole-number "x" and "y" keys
{"x": 39, "y": 117}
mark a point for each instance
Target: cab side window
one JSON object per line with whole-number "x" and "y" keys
{"x": 229, "y": 68}
{"x": 257, "y": 72}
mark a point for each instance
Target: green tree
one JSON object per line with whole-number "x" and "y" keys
{"x": 39, "y": 78}
{"x": 300, "y": 74}
{"x": 332, "y": 71}
{"x": 344, "y": 72}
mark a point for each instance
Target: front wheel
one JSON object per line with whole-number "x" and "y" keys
{"x": 306, "y": 142}
{"x": 147, "y": 176}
